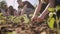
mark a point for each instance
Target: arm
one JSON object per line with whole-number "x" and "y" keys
{"x": 37, "y": 9}
{"x": 45, "y": 12}
{"x": 23, "y": 10}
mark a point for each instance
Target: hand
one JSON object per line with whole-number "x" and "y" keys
{"x": 39, "y": 19}
{"x": 34, "y": 18}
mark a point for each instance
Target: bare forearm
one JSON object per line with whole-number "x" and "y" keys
{"x": 23, "y": 10}
{"x": 37, "y": 9}
{"x": 45, "y": 12}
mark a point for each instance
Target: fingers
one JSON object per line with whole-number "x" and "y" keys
{"x": 33, "y": 19}
{"x": 39, "y": 19}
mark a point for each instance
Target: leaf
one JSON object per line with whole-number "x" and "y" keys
{"x": 51, "y": 23}
{"x": 51, "y": 9}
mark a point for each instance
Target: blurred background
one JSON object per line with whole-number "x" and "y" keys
{"x": 15, "y": 4}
